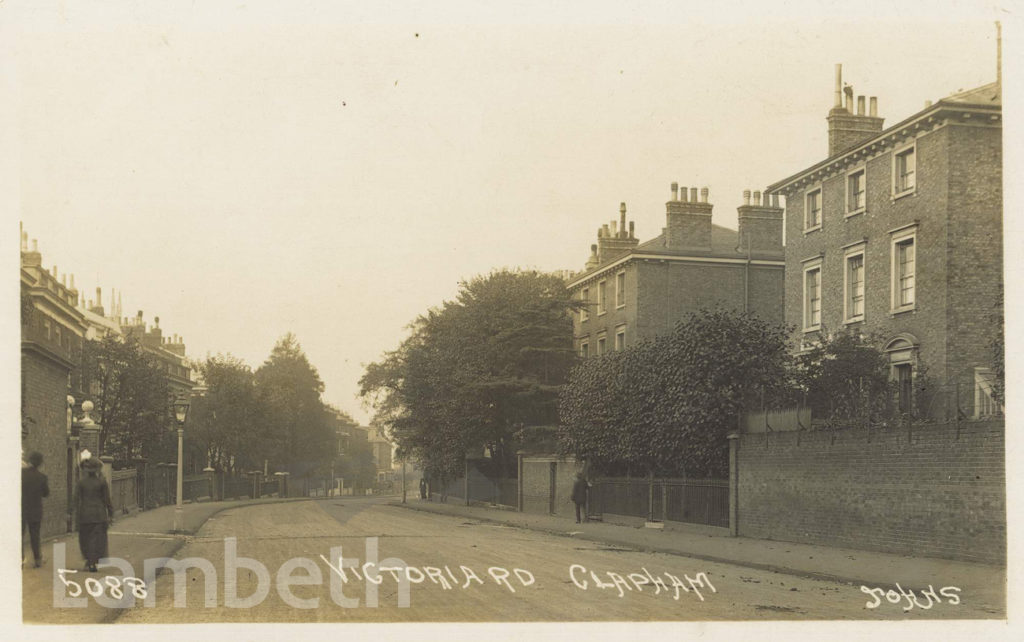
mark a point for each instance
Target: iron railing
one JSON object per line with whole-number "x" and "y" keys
{"x": 695, "y": 501}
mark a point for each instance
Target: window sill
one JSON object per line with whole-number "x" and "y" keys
{"x": 808, "y": 230}
{"x": 813, "y": 328}
{"x": 909, "y": 308}
{"x": 620, "y": 306}
{"x": 909, "y": 192}
{"x": 601, "y": 314}
{"x": 854, "y": 321}
{"x": 850, "y": 215}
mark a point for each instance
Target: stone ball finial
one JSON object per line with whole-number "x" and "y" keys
{"x": 71, "y": 400}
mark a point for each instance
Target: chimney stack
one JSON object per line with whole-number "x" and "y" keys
{"x": 688, "y": 222}
{"x": 848, "y": 127}
{"x": 760, "y": 225}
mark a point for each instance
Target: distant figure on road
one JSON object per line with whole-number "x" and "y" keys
{"x": 95, "y": 511}
{"x": 34, "y": 488}
{"x": 579, "y": 495}
{"x": 423, "y": 488}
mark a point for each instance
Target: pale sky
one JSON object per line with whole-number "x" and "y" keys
{"x": 250, "y": 169}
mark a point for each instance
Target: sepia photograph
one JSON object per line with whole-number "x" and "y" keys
{"x": 512, "y": 319}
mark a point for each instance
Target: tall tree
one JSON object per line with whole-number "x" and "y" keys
{"x": 223, "y": 419}
{"x": 477, "y": 370}
{"x": 291, "y": 419}
{"x": 130, "y": 395}
{"x": 665, "y": 406}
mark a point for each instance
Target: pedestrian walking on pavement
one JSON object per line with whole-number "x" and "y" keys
{"x": 579, "y": 495}
{"x": 423, "y": 488}
{"x": 95, "y": 512}
{"x": 34, "y": 488}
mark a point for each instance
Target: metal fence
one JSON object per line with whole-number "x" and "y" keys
{"x": 502, "y": 491}
{"x": 695, "y": 501}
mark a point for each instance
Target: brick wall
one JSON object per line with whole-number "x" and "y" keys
{"x": 669, "y": 291}
{"x": 45, "y": 390}
{"x": 926, "y": 493}
{"x": 536, "y": 485}
{"x": 974, "y": 246}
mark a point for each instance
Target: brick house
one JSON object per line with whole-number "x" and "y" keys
{"x": 52, "y": 331}
{"x": 898, "y": 233}
{"x": 636, "y": 290}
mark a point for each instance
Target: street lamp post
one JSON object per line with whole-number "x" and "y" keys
{"x": 181, "y": 405}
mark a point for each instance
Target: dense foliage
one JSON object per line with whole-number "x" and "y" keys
{"x": 130, "y": 396}
{"x": 475, "y": 372}
{"x": 665, "y": 406}
{"x": 845, "y": 378}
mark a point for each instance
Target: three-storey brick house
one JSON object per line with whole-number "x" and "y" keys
{"x": 636, "y": 290}
{"x": 898, "y": 233}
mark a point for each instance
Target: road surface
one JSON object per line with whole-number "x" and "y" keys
{"x": 397, "y": 565}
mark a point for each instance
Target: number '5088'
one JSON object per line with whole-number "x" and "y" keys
{"x": 116, "y": 586}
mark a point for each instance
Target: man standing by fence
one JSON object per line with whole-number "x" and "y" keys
{"x": 579, "y": 495}
{"x": 34, "y": 488}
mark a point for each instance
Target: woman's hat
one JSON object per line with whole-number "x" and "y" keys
{"x": 92, "y": 463}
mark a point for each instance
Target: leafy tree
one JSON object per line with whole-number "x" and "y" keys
{"x": 223, "y": 419}
{"x": 130, "y": 396}
{"x": 845, "y": 379}
{"x": 291, "y": 421}
{"x": 476, "y": 371}
{"x": 665, "y": 406}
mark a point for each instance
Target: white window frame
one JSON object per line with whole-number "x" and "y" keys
{"x": 894, "y": 282}
{"x": 620, "y": 292}
{"x": 602, "y": 344}
{"x": 910, "y": 148}
{"x": 807, "y": 208}
{"x": 851, "y": 253}
{"x": 585, "y": 298}
{"x": 811, "y": 266}
{"x": 584, "y": 349}
{"x": 851, "y": 211}
{"x": 620, "y": 337}
{"x": 602, "y": 297}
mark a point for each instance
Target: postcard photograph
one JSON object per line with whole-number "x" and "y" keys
{"x": 359, "y": 314}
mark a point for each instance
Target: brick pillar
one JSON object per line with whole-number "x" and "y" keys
{"x": 212, "y": 482}
{"x": 734, "y": 479}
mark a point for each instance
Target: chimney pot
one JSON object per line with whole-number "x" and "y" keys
{"x": 860, "y": 105}
{"x": 156, "y": 321}
{"x": 675, "y": 192}
{"x": 54, "y": 271}
{"x": 593, "y": 248}
{"x": 631, "y": 230}
{"x": 693, "y": 194}
{"x": 746, "y": 197}
{"x": 24, "y": 241}
{"x": 64, "y": 280}
{"x": 35, "y": 245}
{"x": 682, "y": 194}
{"x": 775, "y": 200}
{"x": 99, "y": 296}
{"x": 72, "y": 281}
{"x": 622, "y": 220}
{"x": 873, "y": 106}
{"x": 704, "y": 195}
{"x": 839, "y": 86}
{"x": 927, "y": 104}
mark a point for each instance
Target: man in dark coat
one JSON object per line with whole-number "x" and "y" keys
{"x": 34, "y": 488}
{"x": 579, "y": 495}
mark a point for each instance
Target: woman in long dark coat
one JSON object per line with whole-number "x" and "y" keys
{"x": 95, "y": 511}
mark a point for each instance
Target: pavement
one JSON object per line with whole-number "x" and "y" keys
{"x": 850, "y": 566}
{"x": 135, "y": 538}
